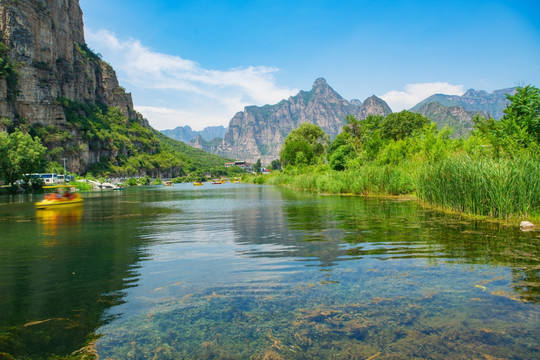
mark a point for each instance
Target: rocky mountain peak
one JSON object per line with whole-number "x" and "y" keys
{"x": 321, "y": 88}
{"x": 472, "y": 93}
{"x": 258, "y": 132}
{"x": 356, "y": 102}
{"x": 375, "y": 106}
{"x": 320, "y": 83}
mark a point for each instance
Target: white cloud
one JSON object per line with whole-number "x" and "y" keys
{"x": 414, "y": 93}
{"x": 205, "y": 96}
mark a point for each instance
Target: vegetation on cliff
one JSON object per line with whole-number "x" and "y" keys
{"x": 8, "y": 71}
{"x": 127, "y": 148}
{"x": 495, "y": 172}
{"x": 124, "y": 146}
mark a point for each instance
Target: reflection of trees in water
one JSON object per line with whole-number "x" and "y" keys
{"x": 332, "y": 229}
{"x": 527, "y": 283}
{"x": 482, "y": 243}
{"x": 61, "y": 273}
{"x": 62, "y": 282}
{"x": 309, "y": 226}
{"x": 290, "y": 227}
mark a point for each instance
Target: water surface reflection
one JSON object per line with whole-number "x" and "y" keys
{"x": 239, "y": 271}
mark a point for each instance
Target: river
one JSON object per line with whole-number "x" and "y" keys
{"x": 237, "y": 271}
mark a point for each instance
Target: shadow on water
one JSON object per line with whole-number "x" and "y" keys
{"x": 238, "y": 271}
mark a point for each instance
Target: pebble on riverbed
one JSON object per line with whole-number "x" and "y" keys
{"x": 526, "y": 226}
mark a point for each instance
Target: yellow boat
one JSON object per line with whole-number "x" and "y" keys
{"x": 197, "y": 183}
{"x": 57, "y": 199}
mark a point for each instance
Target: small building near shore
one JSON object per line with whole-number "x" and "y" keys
{"x": 241, "y": 164}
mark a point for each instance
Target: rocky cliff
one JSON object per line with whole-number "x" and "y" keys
{"x": 489, "y": 104}
{"x": 258, "y": 132}
{"x": 43, "y": 43}
{"x": 454, "y": 116}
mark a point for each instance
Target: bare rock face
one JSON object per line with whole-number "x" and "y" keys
{"x": 46, "y": 38}
{"x": 456, "y": 117}
{"x": 45, "y": 41}
{"x": 258, "y": 132}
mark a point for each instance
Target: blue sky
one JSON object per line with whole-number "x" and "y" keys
{"x": 199, "y": 62}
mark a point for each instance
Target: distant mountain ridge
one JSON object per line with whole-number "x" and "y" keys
{"x": 186, "y": 134}
{"x": 454, "y": 116}
{"x": 490, "y": 104}
{"x": 259, "y": 131}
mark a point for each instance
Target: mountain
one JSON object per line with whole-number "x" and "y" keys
{"x": 186, "y": 134}
{"x": 489, "y": 104}
{"x": 44, "y": 40}
{"x": 259, "y": 131}
{"x": 454, "y": 116}
{"x": 56, "y": 88}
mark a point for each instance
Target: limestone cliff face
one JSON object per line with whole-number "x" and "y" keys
{"x": 454, "y": 116}
{"x": 45, "y": 39}
{"x": 259, "y": 132}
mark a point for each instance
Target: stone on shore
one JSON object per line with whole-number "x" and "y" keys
{"x": 526, "y": 226}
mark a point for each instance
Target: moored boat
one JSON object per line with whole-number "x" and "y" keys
{"x": 197, "y": 183}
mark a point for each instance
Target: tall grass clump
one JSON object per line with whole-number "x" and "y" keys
{"x": 367, "y": 179}
{"x": 491, "y": 187}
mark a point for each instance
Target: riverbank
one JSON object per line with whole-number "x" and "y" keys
{"x": 489, "y": 188}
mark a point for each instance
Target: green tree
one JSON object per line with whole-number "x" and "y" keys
{"x": 398, "y": 126}
{"x": 519, "y": 128}
{"x": 257, "y": 167}
{"x": 339, "y": 157}
{"x": 360, "y": 132}
{"x": 20, "y": 154}
{"x": 303, "y": 145}
{"x": 275, "y": 165}
{"x": 524, "y": 111}
{"x": 341, "y": 139}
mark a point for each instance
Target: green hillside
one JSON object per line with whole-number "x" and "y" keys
{"x": 119, "y": 146}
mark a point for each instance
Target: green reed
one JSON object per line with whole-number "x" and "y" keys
{"x": 492, "y": 187}
{"x": 369, "y": 179}
{"x": 499, "y": 188}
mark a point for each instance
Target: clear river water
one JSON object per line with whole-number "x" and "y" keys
{"x": 237, "y": 271}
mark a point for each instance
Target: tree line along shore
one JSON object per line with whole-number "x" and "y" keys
{"x": 493, "y": 172}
